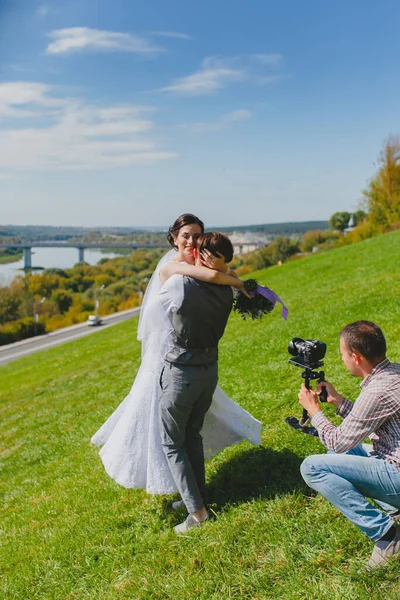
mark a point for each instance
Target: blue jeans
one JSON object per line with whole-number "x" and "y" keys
{"x": 347, "y": 480}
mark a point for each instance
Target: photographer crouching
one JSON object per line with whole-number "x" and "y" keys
{"x": 351, "y": 472}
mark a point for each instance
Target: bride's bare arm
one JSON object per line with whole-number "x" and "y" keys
{"x": 201, "y": 273}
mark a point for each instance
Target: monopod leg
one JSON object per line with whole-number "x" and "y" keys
{"x": 305, "y": 419}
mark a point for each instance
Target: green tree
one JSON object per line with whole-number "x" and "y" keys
{"x": 383, "y": 192}
{"x": 319, "y": 239}
{"x": 310, "y": 240}
{"x": 340, "y": 220}
{"x": 359, "y": 216}
{"x": 62, "y": 299}
{"x": 282, "y": 248}
{"x": 10, "y": 304}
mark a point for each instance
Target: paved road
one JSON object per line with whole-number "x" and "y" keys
{"x": 56, "y": 338}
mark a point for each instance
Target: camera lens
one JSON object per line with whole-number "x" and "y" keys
{"x": 296, "y": 346}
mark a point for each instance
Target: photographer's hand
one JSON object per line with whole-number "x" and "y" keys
{"x": 333, "y": 396}
{"x": 309, "y": 400}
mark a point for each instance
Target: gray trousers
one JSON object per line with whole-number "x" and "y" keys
{"x": 185, "y": 397}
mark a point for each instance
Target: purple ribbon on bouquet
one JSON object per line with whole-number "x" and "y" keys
{"x": 272, "y": 297}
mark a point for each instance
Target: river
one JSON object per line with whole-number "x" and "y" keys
{"x": 63, "y": 258}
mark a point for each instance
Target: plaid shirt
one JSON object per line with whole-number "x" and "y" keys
{"x": 375, "y": 414}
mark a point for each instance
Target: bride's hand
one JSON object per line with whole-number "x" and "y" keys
{"x": 214, "y": 262}
{"x": 243, "y": 289}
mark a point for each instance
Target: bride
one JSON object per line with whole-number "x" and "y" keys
{"x": 132, "y": 453}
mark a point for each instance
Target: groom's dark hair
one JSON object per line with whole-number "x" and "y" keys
{"x": 217, "y": 243}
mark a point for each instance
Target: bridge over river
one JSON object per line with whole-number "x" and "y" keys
{"x": 240, "y": 248}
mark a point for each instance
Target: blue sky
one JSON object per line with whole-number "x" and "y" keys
{"x": 129, "y": 112}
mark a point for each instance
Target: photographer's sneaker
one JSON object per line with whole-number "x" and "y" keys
{"x": 190, "y": 523}
{"x": 178, "y": 505}
{"x": 380, "y": 556}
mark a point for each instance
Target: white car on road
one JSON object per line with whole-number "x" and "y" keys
{"x": 94, "y": 320}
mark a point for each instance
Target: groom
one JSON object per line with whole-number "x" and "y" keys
{"x": 190, "y": 375}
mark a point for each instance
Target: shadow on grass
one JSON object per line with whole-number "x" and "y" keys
{"x": 257, "y": 473}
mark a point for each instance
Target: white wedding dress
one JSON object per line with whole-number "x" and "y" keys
{"x": 132, "y": 453}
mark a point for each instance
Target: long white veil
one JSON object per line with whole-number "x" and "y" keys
{"x": 155, "y": 329}
{"x": 145, "y": 325}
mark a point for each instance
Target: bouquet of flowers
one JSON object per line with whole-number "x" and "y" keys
{"x": 262, "y": 301}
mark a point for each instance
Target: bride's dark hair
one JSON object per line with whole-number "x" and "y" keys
{"x": 185, "y": 219}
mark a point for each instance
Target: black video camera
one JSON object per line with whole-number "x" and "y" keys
{"x": 308, "y": 355}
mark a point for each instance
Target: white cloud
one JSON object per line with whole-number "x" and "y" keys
{"x": 270, "y": 79}
{"x": 72, "y": 134}
{"x": 171, "y": 34}
{"x": 271, "y": 60}
{"x": 21, "y": 69}
{"x": 216, "y": 73}
{"x": 22, "y": 99}
{"x": 42, "y": 10}
{"x": 223, "y": 123}
{"x": 77, "y": 39}
{"x": 213, "y": 75}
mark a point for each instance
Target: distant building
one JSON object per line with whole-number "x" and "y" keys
{"x": 350, "y": 225}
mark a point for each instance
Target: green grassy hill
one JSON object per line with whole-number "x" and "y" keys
{"x": 68, "y": 531}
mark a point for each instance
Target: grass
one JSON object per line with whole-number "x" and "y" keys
{"x": 69, "y": 532}
{"x": 9, "y": 258}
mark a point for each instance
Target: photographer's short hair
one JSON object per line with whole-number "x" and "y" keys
{"x": 216, "y": 243}
{"x": 365, "y": 338}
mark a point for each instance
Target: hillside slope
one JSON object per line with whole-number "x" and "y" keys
{"x": 68, "y": 531}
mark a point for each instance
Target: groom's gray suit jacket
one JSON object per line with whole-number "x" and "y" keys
{"x": 200, "y": 322}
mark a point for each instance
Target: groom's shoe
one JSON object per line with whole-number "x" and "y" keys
{"x": 189, "y": 524}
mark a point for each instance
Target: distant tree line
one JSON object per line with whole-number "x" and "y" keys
{"x": 278, "y": 229}
{"x": 49, "y": 232}
{"x": 91, "y": 234}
